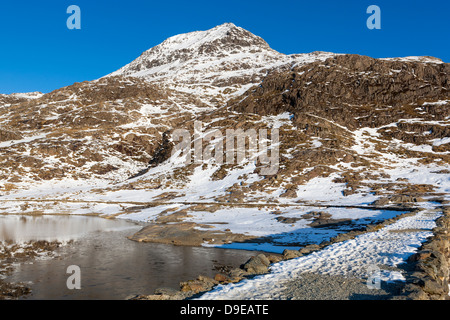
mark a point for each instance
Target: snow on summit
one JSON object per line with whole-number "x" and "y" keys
{"x": 180, "y": 52}
{"x": 216, "y": 64}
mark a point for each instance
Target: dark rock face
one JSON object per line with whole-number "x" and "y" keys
{"x": 351, "y": 90}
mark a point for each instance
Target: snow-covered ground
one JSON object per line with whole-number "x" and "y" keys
{"x": 389, "y": 246}
{"x": 103, "y": 198}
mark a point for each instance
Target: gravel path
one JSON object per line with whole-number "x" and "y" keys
{"x": 311, "y": 286}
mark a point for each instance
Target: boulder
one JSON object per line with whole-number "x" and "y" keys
{"x": 201, "y": 284}
{"x": 257, "y": 264}
{"x": 291, "y": 254}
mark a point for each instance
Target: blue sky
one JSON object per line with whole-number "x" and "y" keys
{"x": 39, "y": 53}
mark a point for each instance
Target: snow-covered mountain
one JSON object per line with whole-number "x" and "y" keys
{"x": 214, "y": 64}
{"x": 353, "y": 130}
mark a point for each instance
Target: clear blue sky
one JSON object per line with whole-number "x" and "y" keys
{"x": 39, "y": 53}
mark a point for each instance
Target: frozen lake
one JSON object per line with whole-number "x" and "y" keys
{"x": 112, "y": 266}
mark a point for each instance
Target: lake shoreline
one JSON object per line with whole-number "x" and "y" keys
{"x": 17, "y": 253}
{"x": 108, "y": 260}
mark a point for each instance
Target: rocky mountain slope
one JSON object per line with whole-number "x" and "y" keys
{"x": 354, "y": 132}
{"x": 212, "y": 65}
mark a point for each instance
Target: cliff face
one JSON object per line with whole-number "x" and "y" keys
{"x": 355, "y": 91}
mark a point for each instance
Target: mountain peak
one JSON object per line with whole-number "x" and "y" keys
{"x": 227, "y": 25}
{"x": 225, "y": 40}
{"x": 224, "y": 37}
{"x": 215, "y": 64}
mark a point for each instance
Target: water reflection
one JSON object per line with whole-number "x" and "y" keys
{"x": 112, "y": 267}
{"x": 51, "y": 228}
